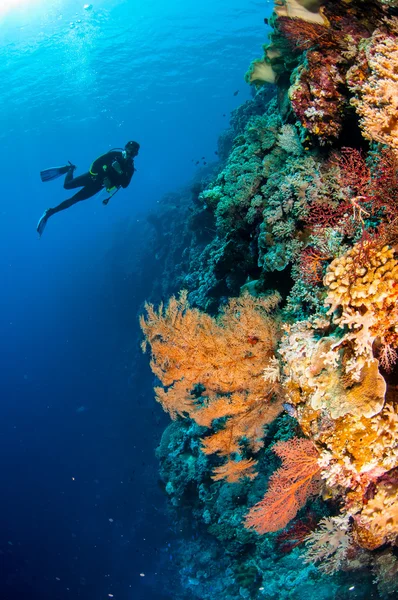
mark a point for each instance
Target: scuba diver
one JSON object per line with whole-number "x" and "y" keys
{"x": 109, "y": 173}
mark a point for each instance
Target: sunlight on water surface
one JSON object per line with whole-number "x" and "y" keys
{"x": 7, "y": 6}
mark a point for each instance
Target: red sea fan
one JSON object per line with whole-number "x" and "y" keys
{"x": 296, "y": 534}
{"x": 303, "y": 35}
{"x": 311, "y": 264}
{"x": 354, "y": 172}
{"x": 289, "y": 487}
{"x": 385, "y": 184}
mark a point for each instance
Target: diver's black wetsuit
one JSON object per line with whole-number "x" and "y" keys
{"x": 93, "y": 181}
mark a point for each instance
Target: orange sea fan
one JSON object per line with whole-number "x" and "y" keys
{"x": 233, "y": 471}
{"x": 213, "y": 368}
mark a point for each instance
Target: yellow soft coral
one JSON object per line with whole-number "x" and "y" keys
{"x": 354, "y": 424}
{"x": 377, "y": 101}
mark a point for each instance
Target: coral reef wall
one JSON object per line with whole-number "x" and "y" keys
{"x": 278, "y": 363}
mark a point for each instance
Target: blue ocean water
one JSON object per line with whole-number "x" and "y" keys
{"x": 81, "y": 513}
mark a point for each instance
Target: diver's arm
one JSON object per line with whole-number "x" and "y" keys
{"x": 126, "y": 177}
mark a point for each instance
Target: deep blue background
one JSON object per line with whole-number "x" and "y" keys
{"x": 78, "y": 421}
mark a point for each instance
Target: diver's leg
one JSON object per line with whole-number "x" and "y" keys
{"x": 87, "y": 192}
{"x": 71, "y": 182}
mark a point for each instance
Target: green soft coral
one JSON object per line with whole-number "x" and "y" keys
{"x": 287, "y": 193}
{"x": 231, "y": 195}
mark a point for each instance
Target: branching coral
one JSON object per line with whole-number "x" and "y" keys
{"x": 363, "y": 285}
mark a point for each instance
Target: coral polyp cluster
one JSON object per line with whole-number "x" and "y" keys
{"x": 302, "y": 208}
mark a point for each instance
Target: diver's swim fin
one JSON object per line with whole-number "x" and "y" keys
{"x": 54, "y": 172}
{"x": 42, "y": 222}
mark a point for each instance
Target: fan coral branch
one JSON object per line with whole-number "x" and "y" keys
{"x": 289, "y": 487}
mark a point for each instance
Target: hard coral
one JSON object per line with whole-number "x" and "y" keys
{"x": 316, "y": 96}
{"x": 318, "y": 374}
{"x": 363, "y": 285}
{"x": 377, "y": 96}
{"x": 351, "y": 423}
{"x": 379, "y": 517}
